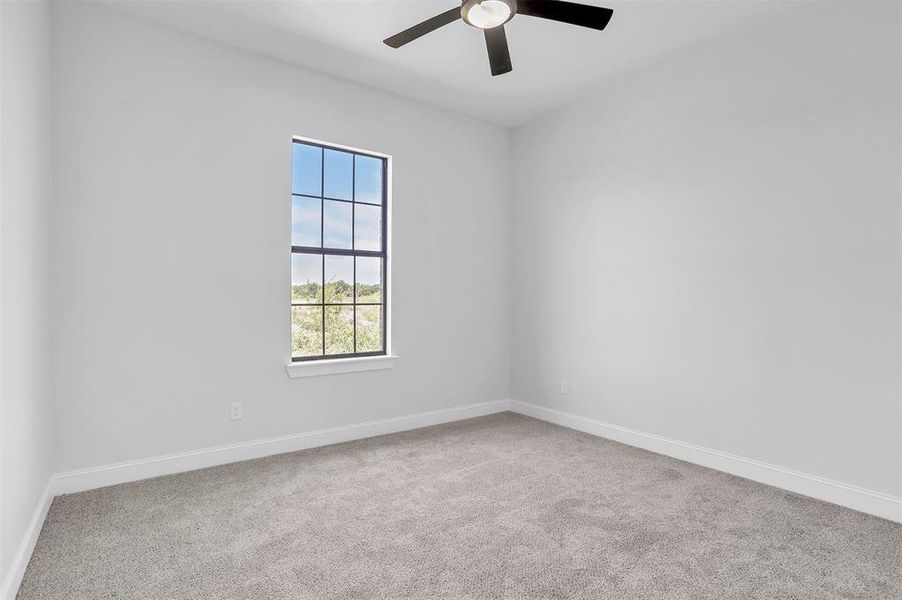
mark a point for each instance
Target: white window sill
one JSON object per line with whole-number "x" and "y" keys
{"x": 316, "y": 368}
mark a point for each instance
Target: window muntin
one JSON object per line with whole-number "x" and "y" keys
{"x": 338, "y": 252}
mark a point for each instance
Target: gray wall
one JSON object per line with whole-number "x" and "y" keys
{"x": 171, "y": 236}
{"x": 709, "y": 249}
{"x": 25, "y": 174}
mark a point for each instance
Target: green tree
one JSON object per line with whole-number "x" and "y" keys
{"x": 307, "y": 322}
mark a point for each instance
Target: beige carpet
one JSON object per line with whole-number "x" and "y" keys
{"x": 497, "y": 507}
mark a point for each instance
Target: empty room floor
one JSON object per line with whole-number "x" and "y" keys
{"x": 502, "y": 506}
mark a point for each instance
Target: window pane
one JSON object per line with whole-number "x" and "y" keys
{"x": 367, "y": 227}
{"x": 369, "y": 279}
{"x": 306, "y": 169}
{"x": 339, "y": 329}
{"x": 339, "y": 170}
{"x": 305, "y": 221}
{"x": 306, "y": 278}
{"x": 306, "y": 331}
{"x": 368, "y": 179}
{"x": 339, "y": 279}
{"x": 337, "y": 204}
{"x": 336, "y": 224}
{"x": 369, "y": 328}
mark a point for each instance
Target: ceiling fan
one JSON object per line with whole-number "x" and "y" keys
{"x": 491, "y": 15}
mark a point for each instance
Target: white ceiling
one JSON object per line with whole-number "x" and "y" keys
{"x": 554, "y": 64}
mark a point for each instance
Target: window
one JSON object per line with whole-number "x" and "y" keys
{"x": 339, "y": 253}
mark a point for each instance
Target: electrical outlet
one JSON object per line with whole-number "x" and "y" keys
{"x": 236, "y": 411}
{"x": 565, "y": 386}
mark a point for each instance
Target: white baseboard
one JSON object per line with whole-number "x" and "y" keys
{"x": 13, "y": 579}
{"x": 868, "y": 501}
{"x": 124, "y": 472}
{"x": 134, "y": 470}
{"x": 850, "y": 496}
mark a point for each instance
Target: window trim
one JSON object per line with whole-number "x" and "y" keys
{"x": 361, "y": 361}
{"x": 357, "y": 364}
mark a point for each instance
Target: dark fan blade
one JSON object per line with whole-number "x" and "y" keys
{"x": 584, "y": 15}
{"x": 499, "y": 56}
{"x": 421, "y": 29}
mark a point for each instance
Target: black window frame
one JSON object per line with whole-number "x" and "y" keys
{"x": 323, "y": 251}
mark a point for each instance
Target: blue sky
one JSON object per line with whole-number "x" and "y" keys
{"x": 307, "y": 268}
{"x": 342, "y": 175}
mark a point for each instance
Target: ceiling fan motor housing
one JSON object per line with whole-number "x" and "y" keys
{"x": 480, "y": 9}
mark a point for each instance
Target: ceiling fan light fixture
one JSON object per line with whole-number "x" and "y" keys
{"x": 491, "y": 15}
{"x": 486, "y": 14}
